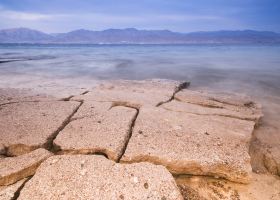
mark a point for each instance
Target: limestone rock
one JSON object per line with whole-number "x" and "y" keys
{"x": 9, "y": 192}
{"x": 207, "y": 103}
{"x": 12, "y": 95}
{"x": 262, "y": 187}
{"x": 13, "y": 169}
{"x": 192, "y": 144}
{"x": 30, "y": 125}
{"x": 134, "y": 93}
{"x": 95, "y": 177}
{"x": 97, "y": 128}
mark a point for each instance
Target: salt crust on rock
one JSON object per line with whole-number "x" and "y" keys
{"x": 97, "y": 128}
{"x": 95, "y": 177}
{"x": 13, "y": 169}
{"x": 192, "y": 144}
{"x": 30, "y": 125}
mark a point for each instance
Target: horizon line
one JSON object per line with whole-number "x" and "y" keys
{"x": 199, "y": 31}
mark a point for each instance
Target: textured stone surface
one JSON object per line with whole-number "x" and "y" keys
{"x": 9, "y": 192}
{"x": 135, "y": 93}
{"x": 12, "y": 95}
{"x": 97, "y": 128}
{"x": 30, "y": 125}
{"x": 95, "y": 177}
{"x": 192, "y": 144}
{"x": 13, "y": 169}
{"x": 198, "y": 188}
{"x": 206, "y": 103}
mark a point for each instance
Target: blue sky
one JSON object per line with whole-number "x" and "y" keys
{"x": 177, "y": 15}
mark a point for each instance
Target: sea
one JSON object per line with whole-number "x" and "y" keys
{"x": 248, "y": 69}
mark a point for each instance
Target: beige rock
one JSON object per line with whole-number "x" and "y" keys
{"x": 2, "y": 149}
{"x": 97, "y": 128}
{"x": 13, "y": 169}
{"x": 192, "y": 144}
{"x": 9, "y": 192}
{"x": 12, "y": 95}
{"x": 30, "y": 125}
{"x": 206, "y": 103}
{"x": 95, "y": 177}
{"x": 262, "y": 187}
{"x": 134, "y": 93}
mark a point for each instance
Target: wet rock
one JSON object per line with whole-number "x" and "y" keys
{"x": 13, "y": 169}
{"x": 262, "y": 187}
{"x": 10, "y": 191}
{"x": 178, "y": 141}
{"x": 30, "y": 125}
{"x": 133, "y": 93}
{"x": 205, "y": 103}
{"x": 97, "y": 128}
{"x": 102, "y": 179}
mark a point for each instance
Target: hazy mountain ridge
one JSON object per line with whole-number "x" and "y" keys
{"x": 134, "y": 36}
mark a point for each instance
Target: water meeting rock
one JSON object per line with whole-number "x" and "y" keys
{"x": 97, "y": 128}
{"x": 13, "y": 169}
{"x": 95, "y": 177}
{"x": 192, "y": 144}
{"x": 30, "y": 125}
{"x": 133, "y": 93}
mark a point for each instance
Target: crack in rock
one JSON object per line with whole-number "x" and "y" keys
{"x": 180, "y": 87}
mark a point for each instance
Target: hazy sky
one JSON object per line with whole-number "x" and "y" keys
{"x": 176, "y": 15}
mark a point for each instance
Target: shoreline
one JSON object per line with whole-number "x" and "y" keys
{"x": 144, "y": 97}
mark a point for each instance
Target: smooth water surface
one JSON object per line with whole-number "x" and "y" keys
{"x": 235, "y": 68}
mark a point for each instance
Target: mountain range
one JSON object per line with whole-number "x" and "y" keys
{"x": 134, "y": 36}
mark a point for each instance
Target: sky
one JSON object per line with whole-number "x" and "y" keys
{"x": 55, "y": 16}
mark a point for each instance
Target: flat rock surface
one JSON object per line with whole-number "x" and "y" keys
{"x": 13, "y": 169}
{"x": 8, "y": 192}
{"x": 136, "y": 93}
{"x": 12, "y": 95}
{"x": 192, "y": 144}
{"x": 97, "y": 128}
{"x": 95, "y": 177}
{"x": 210, "y": 103}
{"x": 29, "y": 125}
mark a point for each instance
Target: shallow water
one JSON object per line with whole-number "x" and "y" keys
{"x": 253, "y": 69}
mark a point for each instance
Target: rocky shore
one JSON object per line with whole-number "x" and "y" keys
{"x": 153, "y": 139}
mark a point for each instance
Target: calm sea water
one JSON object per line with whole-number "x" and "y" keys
{"x": 251, "y": 69}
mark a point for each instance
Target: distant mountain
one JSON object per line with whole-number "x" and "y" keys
{"x": 134, "y": 36}
{"x": 22, "y": 35}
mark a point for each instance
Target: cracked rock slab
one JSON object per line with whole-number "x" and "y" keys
{"x": 97, "y": 128}
{"x": 95, "y": 177}
{"x": 12, "y": 95}
{"x": 13, "y": 169}
{"x": 9, "y": 192}
{"x": 192, "y": 144}
{"x": 30, "y": 125}
{"x": 215, "y": 103}
{"x": 134, "y": 93}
